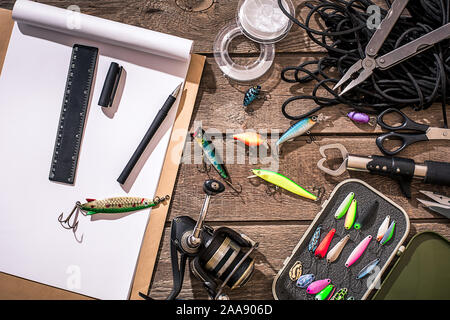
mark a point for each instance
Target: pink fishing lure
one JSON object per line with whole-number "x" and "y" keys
{"x": 318, "y": 286}
{"x": 358, "y": 251}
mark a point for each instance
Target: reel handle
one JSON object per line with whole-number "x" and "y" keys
{"x": 210, "y": 187}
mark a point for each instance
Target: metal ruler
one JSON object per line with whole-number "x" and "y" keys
{"x": 73, "y": 114}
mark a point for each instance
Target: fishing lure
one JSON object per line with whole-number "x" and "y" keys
{"x": 358, "y": 251}
{"x": 337, "y": 249}
{"x": 322, "y": 249}
{"x": 109, "y": 206}
{"x": 351, "y": 215}
{"x": 318, "y": 286}
{"x": 360, "y": 117}
{"x": 299, "y": 128}
{"x": 364, "y": 216}
{"x": 388, "y": 234}
{"x": 368, "y": 269}
{"x": 326, "y": 293}
{"x": 251, "y": 139}
{"x": 383, "y": 228}
{"x": 343, "y": 207}
{"x": 340, "y": 295}
{"x": 350, "y": 298}
{"x": 251, "y": 95}
{"x": 314, "y": 240}
{"x": 305, "y": 280}
{"x": 210, "y": 154}
{"x": 283, "y": 182}
{"x": 296, "y": 271}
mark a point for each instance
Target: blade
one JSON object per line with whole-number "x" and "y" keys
{"x": 436, "y": 207}
{"x": 436, "y": 197}
{"x": 366, "y": 73}
{"x": 356, "y": 67}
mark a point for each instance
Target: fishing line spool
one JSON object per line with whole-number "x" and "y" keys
{"x": 261, "y": 21}
{"x": 218, "y": 258}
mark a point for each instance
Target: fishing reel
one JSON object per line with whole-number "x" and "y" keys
{"x": 218, "y": 258}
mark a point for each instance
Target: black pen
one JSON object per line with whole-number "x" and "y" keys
{"x": 149, "y": 135}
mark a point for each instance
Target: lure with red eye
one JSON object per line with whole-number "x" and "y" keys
{"x": 322, "y": 249}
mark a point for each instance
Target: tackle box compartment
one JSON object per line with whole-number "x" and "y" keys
{"x": 283, "y": 288}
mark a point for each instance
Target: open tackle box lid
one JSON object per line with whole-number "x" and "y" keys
{"x": 421, "y": 272}
{"x": 283, "y": 288}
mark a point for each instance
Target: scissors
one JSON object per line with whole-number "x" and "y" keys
{"x": 421, "y": 132}
{"x": 364, "y": 68}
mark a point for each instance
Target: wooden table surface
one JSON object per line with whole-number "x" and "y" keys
{"x": 277, "y": 224}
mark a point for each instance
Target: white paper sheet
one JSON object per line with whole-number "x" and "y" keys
{"x": 33, "y": 245}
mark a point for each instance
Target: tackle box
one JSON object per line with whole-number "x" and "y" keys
{"x": 421, "y": 273}
{"x": 283, "y": 288}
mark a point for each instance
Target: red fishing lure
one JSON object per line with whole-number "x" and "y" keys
{"x": 322, "y": 249}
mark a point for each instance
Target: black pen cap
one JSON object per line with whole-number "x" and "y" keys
{"x": 110, "y": 86}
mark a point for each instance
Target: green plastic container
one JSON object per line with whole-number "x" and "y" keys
{"x": 421, "y": 273}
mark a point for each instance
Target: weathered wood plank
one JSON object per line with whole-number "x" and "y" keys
{"x": 219, "y": 103}
{"x": 298, "y": 161}
{"x": 172, "y": 17}
{"x": 276, "y": 243}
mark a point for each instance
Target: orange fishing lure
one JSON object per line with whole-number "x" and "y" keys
{"x": 251, "y": 139}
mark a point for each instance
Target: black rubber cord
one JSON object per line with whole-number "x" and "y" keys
{"x": 417, "y": 82}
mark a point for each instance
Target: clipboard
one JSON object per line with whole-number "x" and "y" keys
{"x": 19, "y": 288}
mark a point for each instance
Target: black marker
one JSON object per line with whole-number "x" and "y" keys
{"x": 149, "y": 135}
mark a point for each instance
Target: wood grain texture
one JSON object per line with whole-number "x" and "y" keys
{"x": 298, "y": 162}
{"x": 276, "y": 244}
{"x": 219, "y": 103}
{"x": 171, "y": 16}
{"x": 277, "y": 222}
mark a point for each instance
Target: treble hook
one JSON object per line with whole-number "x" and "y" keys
{"x": 320, "y": 192}
{"x": 239, "y": 187}
{"x": 311, "y": 138}
{"x": 206, "y": 168}
{"x": 66, "y": 222}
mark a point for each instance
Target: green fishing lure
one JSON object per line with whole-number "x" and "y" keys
{"x": 108, "y": 206}
{"x": 351, "y": 215}
{"x": 326, "y": 293}
{"x": 340, "y": 295}
{"x": 209, "y": 152}
{"x": 343, "y": 207}
{"x": 283, "y": 182}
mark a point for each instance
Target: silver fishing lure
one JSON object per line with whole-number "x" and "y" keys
{"x": 368, "y": 269}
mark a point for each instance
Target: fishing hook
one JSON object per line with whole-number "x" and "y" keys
{"x": 66, "y": 222}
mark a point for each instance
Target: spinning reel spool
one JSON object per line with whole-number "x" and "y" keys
{"x": 218, "y": 258}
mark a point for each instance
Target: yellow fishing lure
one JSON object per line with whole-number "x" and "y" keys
{"x": 283, "y": 182}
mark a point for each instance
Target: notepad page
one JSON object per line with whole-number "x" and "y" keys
{"x": 33, "y": 245}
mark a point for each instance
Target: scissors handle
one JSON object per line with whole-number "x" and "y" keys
{"x": 406, "y": 124}
{"x": 406, "y": 139}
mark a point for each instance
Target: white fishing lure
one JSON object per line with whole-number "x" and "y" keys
{"x": 383, "y": 228}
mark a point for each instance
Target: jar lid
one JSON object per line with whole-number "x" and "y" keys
{"x": 263, "y": 21}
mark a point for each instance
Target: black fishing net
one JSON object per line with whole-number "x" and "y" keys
{"x": 343, "y": 31}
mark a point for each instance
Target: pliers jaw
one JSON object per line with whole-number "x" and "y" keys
{"x": 363, "y": 68}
